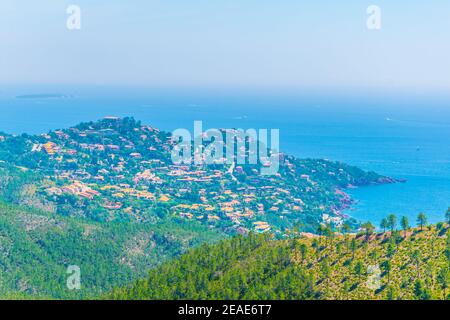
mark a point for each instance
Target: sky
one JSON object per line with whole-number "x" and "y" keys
{"x": 220, "y": 43}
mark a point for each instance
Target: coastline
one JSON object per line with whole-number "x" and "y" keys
{"x": 348, "y": 202}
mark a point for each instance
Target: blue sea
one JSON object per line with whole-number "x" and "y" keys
{"x": 400, "y": 134}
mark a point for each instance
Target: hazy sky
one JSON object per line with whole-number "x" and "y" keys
{"x": 275, "y": 43}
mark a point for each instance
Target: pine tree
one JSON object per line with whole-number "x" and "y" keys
{"x": 421, "y": 220}
{"x": 405, "y": 224}
{"x": 354, "y": 246}
{"x": 384, "y": 224}
{"x": 303, "y": 251}
{"x": 443, "y": 278}
{"x": 369, "y": 227}
{"x": 392, "y": 222}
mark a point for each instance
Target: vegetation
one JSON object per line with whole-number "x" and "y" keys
{"x": 379, "y": 266}
{"x": 105, "y": 197}
{"x": 121, "y": 170}
{"x": 36, "y": 249}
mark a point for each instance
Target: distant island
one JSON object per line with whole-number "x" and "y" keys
{"x": 43, "y": 96}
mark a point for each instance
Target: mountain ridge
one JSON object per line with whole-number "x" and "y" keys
{"x": 383, "y": 266}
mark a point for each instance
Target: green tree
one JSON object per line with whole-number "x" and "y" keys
{"x": 391, "y": 249}
{"x": 405, "y": 224}
{"x": 303, "y": 251}
{"x": 320, "y": 231}
{"x": 443, "y": 279}
{"x": 420, "y": 291}
{"x": 387, "y": 267}
{"x": 392, "y": 222}
{"x": 326, "y": 271}
{"x": 359, "y": 269}
{"x": 390, "y": 293}
{"x": 346, "y": 229}
{"x": 369, "y": 228}
{"x": 329, "y": 234}
{"x": 315, "y": 244}
{"x": 346, "y": 288}
{"x": 384, "y": 224}
{"x": 447, "y": 249}
{"x": 353, "y": 247}
{"x": 339, "y": 248}
{"x": 415, "y": 259}
{"x": 421, "y": 220}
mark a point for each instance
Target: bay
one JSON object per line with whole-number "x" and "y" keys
{"x": 400, "y": 135}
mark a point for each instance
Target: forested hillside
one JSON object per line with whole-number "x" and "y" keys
{"x": 106, "y": 197}
{"x": 411, "y": 264}
{"x": 36, "y": 249}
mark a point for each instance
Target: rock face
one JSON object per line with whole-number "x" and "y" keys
{"x": 386, "y": 180}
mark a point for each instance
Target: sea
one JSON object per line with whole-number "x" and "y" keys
{"x": 402, "y": 134}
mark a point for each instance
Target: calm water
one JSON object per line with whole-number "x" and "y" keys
{"x": 403, "y": 136}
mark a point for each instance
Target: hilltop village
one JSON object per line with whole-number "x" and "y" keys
{"x": 119, "y": 169}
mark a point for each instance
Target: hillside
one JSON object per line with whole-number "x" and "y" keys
{"x": 411, "y": 265}
{"x": 106, "y": 197}
{"x": 36, "y": 249}
{"x": 121, "y": 170}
